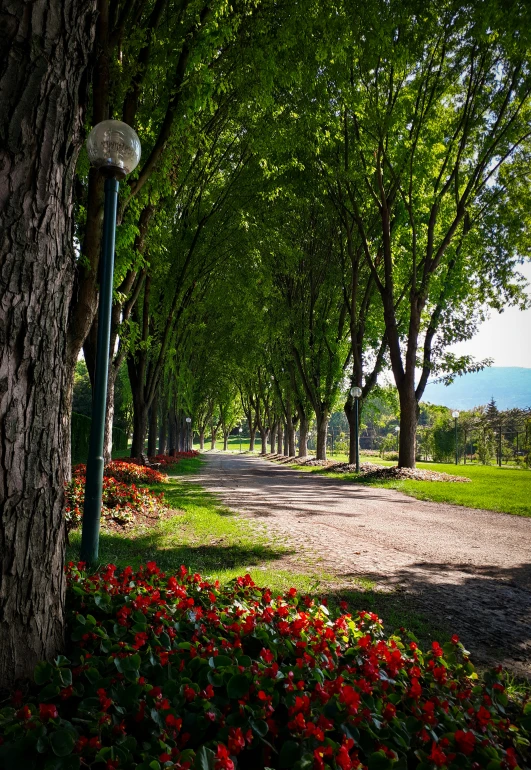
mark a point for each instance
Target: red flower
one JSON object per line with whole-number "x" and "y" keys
{"x": 47, "y": 711}
{"x": 437, "y": 756}
{"x": 465, "y": 741}
{"x": 222, "y": 761}
{"x": 389, "y": 711}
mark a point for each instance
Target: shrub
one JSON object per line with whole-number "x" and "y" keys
{"x": 171, "y": 671}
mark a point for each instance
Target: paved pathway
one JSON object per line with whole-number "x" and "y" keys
{"x": 469, "y": 568}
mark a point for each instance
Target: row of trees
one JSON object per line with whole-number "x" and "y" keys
{"x": 323, "y": 192}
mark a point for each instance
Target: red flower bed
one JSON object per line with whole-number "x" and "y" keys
{"x": 175, "y": 458}
{"x": 123, "y": 503}
{"x": 170, "y": 671}
{"x": 132, "y": 473}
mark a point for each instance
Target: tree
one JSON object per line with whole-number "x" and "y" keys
{"x": 436, "y": 113}
{"x": 43, "y": 59}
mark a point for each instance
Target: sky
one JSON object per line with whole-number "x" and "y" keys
{"x": 505, "y": 337}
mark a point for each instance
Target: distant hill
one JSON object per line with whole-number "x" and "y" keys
{"x": 509, "y": 385}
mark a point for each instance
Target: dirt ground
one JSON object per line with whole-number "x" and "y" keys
{"x": 468, "y": 569}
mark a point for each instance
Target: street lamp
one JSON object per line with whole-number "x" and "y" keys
{"x": 240, "y": 429}
{"x": 188, "y": 421}
{"x": 355, "y": 392}
{"x": 455, "y": 415}
{"x": 397, "y": 431}
{"x": 114, "y": 149}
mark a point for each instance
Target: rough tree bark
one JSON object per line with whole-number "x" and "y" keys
{"x": 273, "y": 436}
{"x": 44, "y": 49}
{"x": 280, "y": 438}
{"x": 153, "y": 423}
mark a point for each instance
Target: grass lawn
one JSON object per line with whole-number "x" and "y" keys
{"x": 209, "y": 538}
{"x": 496, "y": 489}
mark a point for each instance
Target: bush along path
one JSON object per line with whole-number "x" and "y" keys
{"x": 173, "y": 671}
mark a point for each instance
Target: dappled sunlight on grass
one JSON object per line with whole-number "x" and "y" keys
{"x": 497, "y": 489}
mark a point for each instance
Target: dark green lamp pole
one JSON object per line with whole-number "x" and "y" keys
{"x": 455, "y": 415}
{"x": 355, "y": 392}
{"x": 114, "y": 149}
{"x": 240, "y": 432}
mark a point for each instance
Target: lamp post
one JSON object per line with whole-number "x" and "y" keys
{"x": 240, "y": 429}
{"x": 355, "y": 392}
{"x": 397, "y": 431}
{"x": 114, "y": 149}
{"x": 455, "y": 415}
{"x": 188, "y": 422}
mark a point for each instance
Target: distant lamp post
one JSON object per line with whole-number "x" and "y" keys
{"x": 188, "y": 442}
{"x": 455, "y": 415}
{"x": 397, "y": 431}
{"x": 240, "y": 429}
{"x": 355, "y": 392}
{"x": 114, "y": 149}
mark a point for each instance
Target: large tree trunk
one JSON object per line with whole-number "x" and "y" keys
{"x": 350, "y": 414}
{"x": 322, "y": 430}
{"x": 43, "y": 54}
{"x": 263, "y": 437}
{"x": 291, "y": 440}
{"x": 201, "y": 440}
{"x": 303, "y": 437}
{"x": 172, "y": 435}
{"x": 273, "y": 437}
{"x": 280, "y": 437}
{"x": 140, "y": 424}
{"x": 408, "y": 428}
{"x": 225, "y": 441}
{"x": 163, "y": 433}
{"x": 286, "y": 441}
{"x": 153, "y": 424}
{"x": 252, "y": 434}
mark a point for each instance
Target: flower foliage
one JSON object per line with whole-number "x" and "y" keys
{"x": 171, "y": 671}
{"x": 121, "y": 502}
{"x": 131, "y": 473}
{"x": 174, "y": 458}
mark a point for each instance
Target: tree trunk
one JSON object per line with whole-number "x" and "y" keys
{"x": 273, "y": 437}
{"x": 171, "y": 431}
{"x": 303, "y": 437}
{"x": 201, "y": 440}
{"x": 280, "y": 438}
{"x": 408, "y": 428}
{"x": 252, "y": 434}
{"x": 43, "y": 55}
{"x": 263, "y": 437}
{"x": 213, "y": 435}
{"x": 322, "y": 430}
{"x": 350, "y": 413}
{"x": 140, "y": 424}
{"x": 153, "y": 423}
{"x": 163, "y": 433}
{"x": 291, "y": 440}
{"x": 225, "y": 441}
{"x": 286, "y": 441}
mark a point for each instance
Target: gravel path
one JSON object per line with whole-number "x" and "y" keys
{"x": 469, "y": 568}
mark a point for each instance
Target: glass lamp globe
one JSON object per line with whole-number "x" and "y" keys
{"x": 114, "y": 146}
{"x": 188, "y": 419}
{"x": 355, "y": 392}
{"x": 397, "y": 428}
{"x": 455, "y": 414}
{"x": 240, "y": 430}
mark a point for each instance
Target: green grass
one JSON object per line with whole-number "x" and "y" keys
{"x": 205, "y": 536}
{"x": 210, "y": 539}
{"x": 497, "y": 489}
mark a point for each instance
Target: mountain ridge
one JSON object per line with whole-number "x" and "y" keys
{"x": 510, "y": 386}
